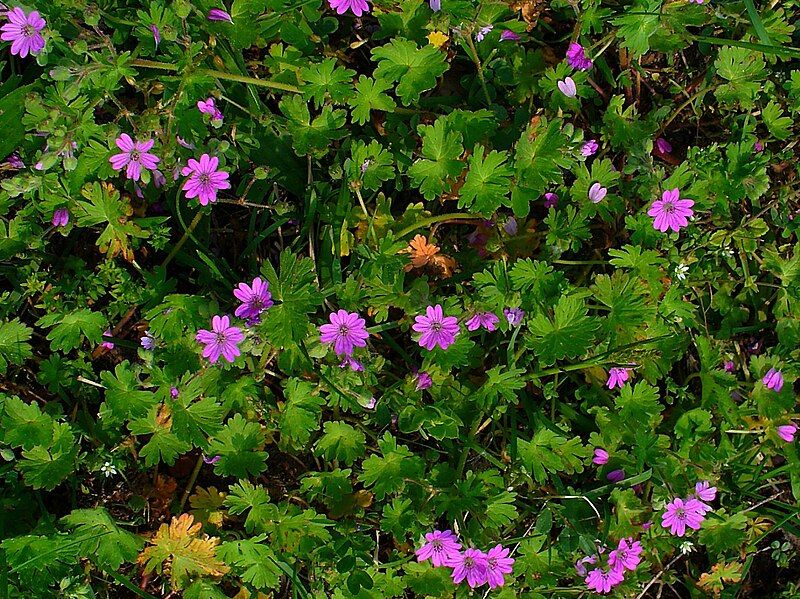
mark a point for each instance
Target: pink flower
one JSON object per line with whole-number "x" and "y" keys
{"x": 758, "y": 147}
{"x": 108, "y": 344}
{"x": 498, "y": 564}
{"x": 617, "y": 377}
{"x": 729, "y": 366}
{"x": 589, "y": 148}
{"x": 255, "y": 298}
{"x": 509, "y": 36}
{"x": 602, "y": 582}
{"x": 352, "y": 363}
{"x": 576, "y": 57}
{"x": 134, "y": 156}
{"x": 671, "y": 212}
{"x": 600, "y": 457}
{"x": 550, "y": 200}
{"x": 487, "y": 320}
{"x": 567, "y": 87}
{"x": 24, "y": 32}
{"x": 440, "y": 547}
{"x": 347, "y": 330}
{"x": 217, "y": 14}
{"x": 787, "y": 432}
{"x": 436, "y": 328}
{"x": 156, "y": 34}
{"x": 626, "y": 555}
{"x": 705, "y": 491}
{"x": 773, "y": 380}
{"x": 204, "y": 179}
{"x": 580, "y": 567}
{"x": 208, "y": 107}
{"x": 597, "y": 192}
{"x": 61, "y": 217}
{"x": 663, "y": 146}
{"x": 472, "y": 565}
{"x": 424, "y": 381}
{"x": 221, "y": 340}
{"x": 680, "y": 514}
{"x": 358, "y": 7}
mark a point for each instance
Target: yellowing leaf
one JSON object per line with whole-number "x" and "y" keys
{"x": 437, "y": 38}
{"x": 207, "y": 505}
{"x": 179, "y": 549}
{"x": 721, "y": 573}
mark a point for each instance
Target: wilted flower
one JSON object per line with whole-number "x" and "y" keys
{"x": 352, "y": 363}
{"x": 567, "y": 87}
{"x": 758, "y": 146}
{"x": 14, "y": 161}
{"x": 597, "y": 192}
{"x": 576, "y": 57}
{"x": 211, "y": 459}
{"x": 217, "y": 14}
{"x": 590, "y": 147}
{"x": 671, "y": 212}
{"x": 705, "y": 491}
{"x": 580, "y": 566}
{"x": 616, "y": 475}
{"x": 787, "y": 432}
{"x": 204, "y": 179}
{"x": 436, "y": 328}
{"x": 663, "y": 146}
{"x": 24, "y": 32}
{"x": 729, "y": 366}
{"x": 617, "y": 377}
{"x": 436, "y": 5}
{"x": 135, "y": 155}
{"x": 107, "y": 343}
{"x": 60, "y": 217}
{"x": 156, "y": 34}
{"x": 159, "y": 180}
{"x": 347, "y": 330}
{"x": 440, "y": 547}
{"x": 222, "y": 340}
{"x": 511, "y": 226}
{"x": 358, "y": 7}
{"x": 487, "y": 320}
{"x": 600, "y": 457}
{"x": 773, "y": 380}
{"x": 509, "y": 36}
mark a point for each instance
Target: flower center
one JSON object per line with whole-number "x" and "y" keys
{"x": 28, "y": 31}
{"x": 220, "y": 338}
{"x": 135, "y": 156}
{"x": 469, "y": 562}
{"x": 668, "y": 207}
{"x": 344, "y": 331}
{"x": 437, "y": 326}
{"x": 680, "y": 513}
{"x": 437, "y": 545}
{"x": 204, "y": 179}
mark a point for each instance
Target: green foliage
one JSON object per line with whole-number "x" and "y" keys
{"x": 442, "y": 149}
{"x": 568, "y": 334}
{"x": 414, "y": 69}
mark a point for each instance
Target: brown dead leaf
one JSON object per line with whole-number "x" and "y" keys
{"x": 530, "y": 9}
{"x": 426, "y": 257}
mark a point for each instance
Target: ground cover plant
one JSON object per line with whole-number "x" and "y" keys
{"x": 357, "y": 300}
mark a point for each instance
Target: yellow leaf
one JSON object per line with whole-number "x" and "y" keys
{"x": 207, "y": 505}
{"x": 437, "y": 38}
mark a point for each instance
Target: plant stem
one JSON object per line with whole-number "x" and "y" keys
{"x": 476, "y": 59}
{"x": 433, "y": 220}
{"x": 182, "y": 240}
{"x": 153, "y": 64}
{"x": 192, "y": 479}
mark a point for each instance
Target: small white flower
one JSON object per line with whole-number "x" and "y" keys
{"x": 687, "y": 547}
{"x": 681, "y": 270}
{"x": 108, "y": 469}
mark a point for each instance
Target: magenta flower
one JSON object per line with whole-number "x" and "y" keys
{"x": 217, "y": 14}
{"x": 663, "y": 146}
{"x": 440, "y": 547}
{"x": 487, "y": 320}
{"x": 597, "y": 192}
{"x": 589, "y": 148}
{"x": 424, "y": 381}
{"x": 671, "y": 212}
{"x": 729, "y": 366}
{"x": 602, "y": 582}
{"x": 617, "y": 377}
{"x": 509, "y": 36}
{"x": 758, "y": 147}
{"x": 347, "y": 330}
{"x": 255, "y": 298}
{"x": 222, "y": 340}
{"x": 773, "y": 380}
{"x": 497, "y": 565}
{"x": 352, "y": 363}
{"x": 208, "y": 107}
{"x": 600, "y": 457}
{"x": 550, "y": 200}
{"x": 24, "y": 32}
{"x": 787, "y": 432}
{"x": 436, "y": 328}
{"x": 626, "y": 555}
{"x": 107, "y": 343}
{"x": 616, "y": 475}
{"x": 567, "y": 87}
{"x": 173, "y": 392}
{"x": 211, "y": 460}
{"x": 514, "y": 316}
{"x": 358, "y": 7}
{"x": 14, "y": 161}
{"x": 705, "y": 491}
{"x": 576, "y": 57}
{"x": 371, "y": 403}
{"x": 680, "y": 514}
{"x": 134, "y": 156}
{"x": 472, "y": 565}
{"x": 483, "y": 32}
{"x": 580, "y": 565}
{"x": 60, "y": 217}
{"x": 156, "y": 34}
{"x": 204, "y": 179}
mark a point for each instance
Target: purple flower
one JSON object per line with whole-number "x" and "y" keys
{"x": 173, "y": 391}
{"x": 597, "y": 192}
{"x": 204, "y": 179}
{"x": 729, "y": 366}
{"x": 358, "y": 7}
{"x": 576, "y": 57}
{"x": 436, "y": 5}
{"x": 440, "y": 547}
{"x": 511, "y": 226}
{"x": 758, "y": 146}
{"x": 424, "y": 381}
{"x": 487, "y": 320}
{"x": 497, "y": 564}
{"x": 156, "y": 34}
{"x": 159, "y": 180}
{"x": 600, "y": 457}
{"x": 222, "y": 340}
{"x": 626, "y": 555}
{"x": 483, "y": 32}
{"x": 787, "y": 432}
{"x": 14, "y": 161}
{"x": 705, "y": 491}
{"x": 509, "y": 36}
{"x": 211, "y": 460}
{"x": 436, "y": 328}
{"x": 663, "y": 146}
{"x": 352, "y": 363}
{"x": 134, "y": 156}
{"x": 472, "y": 565}
{"x": 617, "y": 377}
{"x": 255, "y": 298}
{"x": 514, "y": 316}
{"x": 567, "y": 87}
{"x": 24, "y": 32}
{"x": 208, "y": 107}
{"x": 108, "y": 344}
{"x": 550, "y": 200}
{"x": 616, "y": 475}
{"x": 680, "y": 514}
{"x": 148, "y": 342}
{"x": 590, "y": 147}
{"x": 580, "y": 567}
{"x": 184, "y": 144}
{"x": 671, "y": 212}
{"x": 347, "y": 330}
{"x": 773, "y": 380}
{"x": 371, "y": 403}
{"x": 217, "y": 14}
{"x": 60, "y": 217}
{"x": 602, "y": 582}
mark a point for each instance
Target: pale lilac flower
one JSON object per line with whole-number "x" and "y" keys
{"x": 107, "y": 343}
{"x": 365, "y": 166}
{"x": 487, "y": 320}
{"x": 509, "y": 36}
{"x": 597, "y": 192}
{"x": 211, "y": 460}
{"x": 497, "y": 565}
{"x": 159, "y": 180}
{"x": 472, "y": 565}
{"x": 580, "y": 567}
{"x": 217, "y": 14}
{"x": 424, "y": 381}
{"x": 358, "y": 7}
{"x": 24, "y": 32}
{"x": 483, "y": 32}
{"x": 773, "y": 380}
{"x": 576, "y": 57}
{"x": 352, "y": 363}
{"x": 371, "y": 403}
{"x": 602, "y": 582}
{"x": 616, "y": 475}
{"x": 787, "y": 432}
{"x": 729, "y": 366}
{"x": 671, "y": 212}
{"x": 697, "y": 1}
{"x": 436, "y": 328}
{"x": 567, "y": 87}
{"x": 663, "y": 146}
{"x": 511, "y": 226}
{"x": 514, "y": 316}
{"x": 626, "y": 555}
{"x": 436, "y": 5}
{"x": 647, "y": 525}
{"x": 208, "y": 107}
{"x": 184, "y": 144}
{"x": 347, "y": 330}
{"x": 222, "y": 340}
{"x": 617, "y": 377}
{"x": 600, "y": 457}
{"x": 680, "y": 514}
{"x": 204, "y": 179}
{"x": 550, "y": 200}
{"x": 705, "y": 491}
{"x": 60, "y": 217}
{"x": 14, "y": 161}
{"x": 135, "y": 156}
{"x": 156, "y": 34}
{"x": 148, "y": 342}
{"x": 173, "y": 391}
{"x": 589, "y": 148}
{"x": 440, "y": 546}
{"x": 255, "y": 298}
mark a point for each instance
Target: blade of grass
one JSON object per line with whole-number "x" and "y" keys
{"x": 758, "y": 24}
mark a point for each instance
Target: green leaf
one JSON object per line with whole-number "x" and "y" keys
{"x": 245, "y": 497}
{"x": 300, "y": 414}
{"x": 23, "y": 424}
{"x": 105, "y": 206}
{"x": 638, "y": 25}
{"x": 743, "y": 70}
{"x": 414, "y": 69}
{"x": 194, "y": 421}
{"x": 540, "y": 154}
{"x": 549, "y": 452}
{"x": 387, "y": 473}
{"x": 487, "y": 183}
{"x": 312, "y": 136}
{"x": 371, "y": 164}
{"x": 163, "y": 445}
{"x": 780, "y": 126}
{"x": 442, "y": 151}
{"x": 326, "y": 81}
{"x": 569, "y": 334}
{"x": 45, "y": 466}
{"x": 253, "y": 561}
{"x": 723, "y": 533}
{"x": 72, "y": 328}
{"x": 123, "y": 397}
{"x": 14, "y": 346}
{"x": 638, "y": 404}
{"x": 101, "y": 540}
{"x": 12, "y": 109}
{"x": 341, "y": 442}
{"x": 369, "y": 96}
{"x": 239, "y": 445}
{"x": 501, "y": 382}
{"x": 624, "y": 297}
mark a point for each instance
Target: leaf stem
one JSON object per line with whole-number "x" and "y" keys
{"x": 433, "y": 220}
{"x": 154, "y": 64}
